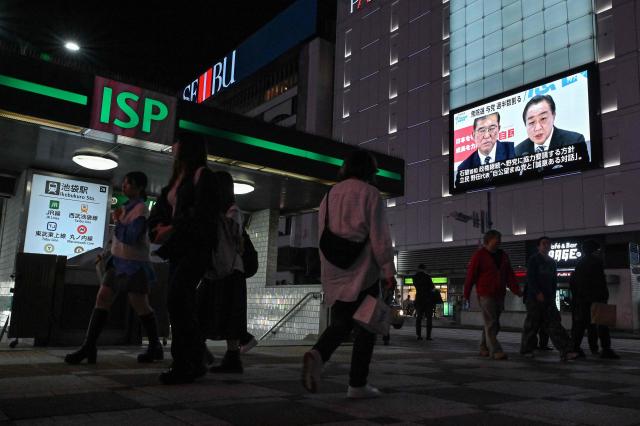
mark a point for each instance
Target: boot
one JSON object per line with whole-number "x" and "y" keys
{"x": 230, "y": 363}
{"x": 88, "y": 350}
{"x": 154, "y": 352}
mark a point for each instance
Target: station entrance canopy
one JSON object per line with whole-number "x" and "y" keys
{"x": 58, "y": 97}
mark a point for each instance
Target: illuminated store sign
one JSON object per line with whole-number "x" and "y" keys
{"x": 293, "y": 26}
{"x": 216, "y": 78}
{"x": 565, "y": 252}
{"x": 67, "y": 217}
{"x": 357, "y": 4}
{"x": 131, "y": 111}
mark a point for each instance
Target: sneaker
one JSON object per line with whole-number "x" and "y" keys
{"x": 311, "y": 370}
{"x": 528, "y": 354}
{"x": 248, "y": 346}
{"x": 362, "y": 392}
{"x": 609, "y": 354}
{"x": 176, "y": 377}
{"x": 499, "y": 356}
{"x": 484, "y": 353}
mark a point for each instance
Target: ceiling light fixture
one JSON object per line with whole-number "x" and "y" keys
{"x": 95, "y": 161}
{"x": 241, "y": 188}
{"x": 72, "y": 46}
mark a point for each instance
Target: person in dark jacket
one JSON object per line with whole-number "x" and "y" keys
{"x": 184, "y": 222}
{"x": 589, "y": 285}
{"x": 491, "y": 272}
{"x": 542, "y": 283}
{"x": 424, "y": 303}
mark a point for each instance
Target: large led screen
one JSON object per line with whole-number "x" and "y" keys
{"x": 542, "y": 129}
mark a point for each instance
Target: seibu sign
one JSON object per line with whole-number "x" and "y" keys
{"x": 131, "y": 111}
{"x": 218, "y": 77}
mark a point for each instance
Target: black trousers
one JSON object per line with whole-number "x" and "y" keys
{"x": 581, "y": 316}
{"x": 421, "y": 312}
{"x": 543, "y": 315}
{"x": 342, "y": 324}
{"x": 186, "y": 340}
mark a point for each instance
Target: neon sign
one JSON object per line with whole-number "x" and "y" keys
{"x": 131, "y": 111}
{"x": 357, "y": 4}
{"x": 218, "y": 77}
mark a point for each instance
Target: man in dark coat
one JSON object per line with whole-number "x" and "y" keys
{"x": 489, "y": 149}
{"x": 589, "y": 285}
{"x": 542, "y": 283}
{"x": 539, "y": 118}
{"x": 424, "y": 301}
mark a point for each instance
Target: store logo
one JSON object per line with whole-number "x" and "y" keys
{"x": 565, "y": 251}
{"x": 54, "y": 204}
{"x": 357, "y": 4}
{"x": 84, "y": 208}
{"x": 78, "y": 250}
{"x": 132, "y": 111}
{"x": 82, "y": 229}
{"x": 52, "y": 226}
{"x": 216, "y": 78}
{"x": 52, "y": 188}
{"x": 49, "y": 248}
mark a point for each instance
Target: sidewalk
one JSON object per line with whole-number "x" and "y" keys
{"x": 440, "y": 382}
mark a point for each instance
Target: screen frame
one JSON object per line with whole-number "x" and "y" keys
{"x": 27, "y": 202}
{"x": 595, "y": 125}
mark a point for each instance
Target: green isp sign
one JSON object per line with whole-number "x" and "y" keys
{"x": 131, "y": 111}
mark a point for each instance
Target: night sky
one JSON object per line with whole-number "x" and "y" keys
{"x": 166, "y": 43}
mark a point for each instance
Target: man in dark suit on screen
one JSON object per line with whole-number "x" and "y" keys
{"x": 489, "y": 148}
{"x": 539, "y": 117}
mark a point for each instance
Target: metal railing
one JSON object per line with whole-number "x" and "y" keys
{"x": 295, "y": 308}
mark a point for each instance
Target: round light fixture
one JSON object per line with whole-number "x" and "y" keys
{"x": 95, "y": 161}
{"x": 240, "y": 188}
{"x": 72, "y": 46}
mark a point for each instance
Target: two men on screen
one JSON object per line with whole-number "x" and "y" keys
{"x": 489, "y": 148}
{"x": 539, "y": 118}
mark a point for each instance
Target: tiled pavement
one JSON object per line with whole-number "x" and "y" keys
{"x": 440, "y": 382}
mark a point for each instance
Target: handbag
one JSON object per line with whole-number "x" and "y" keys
{"x": 374, "y": 315}
{"x": 603, "y": 314}
{"x": 339, "y": 251}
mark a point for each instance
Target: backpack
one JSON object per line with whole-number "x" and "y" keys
{"x": 228, "y": 250}
{"x": 249, "y": 256}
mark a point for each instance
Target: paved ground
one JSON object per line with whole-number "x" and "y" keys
{"x": 440, "y": 382}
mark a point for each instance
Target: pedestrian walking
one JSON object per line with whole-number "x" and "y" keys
{"x": 352, "y": 211}
{"x": 128, "y": 269}
{"x": 184, "y": 222}
{"x": 223, "y": 300}
{"x": 542, "y": 313}
{"x": 425, "y": 300}
{"x": 491, "y": 272}
{"x": 589, "y": 285}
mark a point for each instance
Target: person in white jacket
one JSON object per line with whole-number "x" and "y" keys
{"x": 356, "y": 212}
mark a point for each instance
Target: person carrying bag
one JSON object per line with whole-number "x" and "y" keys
{"x": 353, "y": 211}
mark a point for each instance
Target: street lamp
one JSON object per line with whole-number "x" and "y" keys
{"x": 72, "y": 46}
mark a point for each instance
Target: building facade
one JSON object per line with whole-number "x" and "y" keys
{"x": 402, "y": 65}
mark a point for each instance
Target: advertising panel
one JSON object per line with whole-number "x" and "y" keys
{"x": 67, "y": 217}
{"x": 544, "y": 128}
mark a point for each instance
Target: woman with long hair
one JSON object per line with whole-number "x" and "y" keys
{"x": 223, "y": 304}
{"x": 354, "y": 212}
{"x": 184, "y": 223}
{"x": 127, "y": 269}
